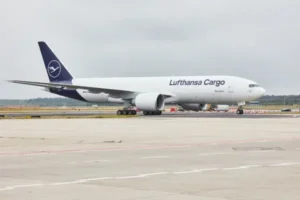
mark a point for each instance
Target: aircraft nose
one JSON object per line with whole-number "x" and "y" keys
{"x": 262, "y": 91}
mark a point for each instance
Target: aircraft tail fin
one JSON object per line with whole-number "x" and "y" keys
{"x": 55, "y": 69}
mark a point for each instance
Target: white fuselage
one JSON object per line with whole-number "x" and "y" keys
{"x": 185, "y": 89}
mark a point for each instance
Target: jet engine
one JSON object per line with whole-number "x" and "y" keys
{"x": 193, "y": 106}
{"x": 150, "y": 101}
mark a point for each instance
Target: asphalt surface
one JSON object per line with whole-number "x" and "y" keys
{"x": 57, "y": 113}
{"x": 165, "y": 114}
{"x": 150, "y": 158}
{"x": 225, "y": 115}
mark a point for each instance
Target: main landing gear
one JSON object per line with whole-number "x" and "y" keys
{"x": 130, "y": 110}
{"x": 152, "y": 112}
{"x": 240, "y": 110}
{"x": 126, "y": 112}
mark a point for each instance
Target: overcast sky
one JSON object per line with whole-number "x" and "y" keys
{"x": 257, "y": 39}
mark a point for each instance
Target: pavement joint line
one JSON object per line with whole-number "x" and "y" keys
{"x": 263, "y": 141}
{"x": 78, "y": 181}
{"x": 218, "y": 153}
{"x": 88, "y": 161}
{"x": 175, "y": 157}
{"x": 135, "y": 147}
{"x": 154, "y": 157}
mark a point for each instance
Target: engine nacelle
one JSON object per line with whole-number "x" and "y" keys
{"x": 193, "y": 106}
{"x": 150, "y": 101}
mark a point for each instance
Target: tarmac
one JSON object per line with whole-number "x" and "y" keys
{"x": 165, "y": 114}
{"x": 150, "y": 158}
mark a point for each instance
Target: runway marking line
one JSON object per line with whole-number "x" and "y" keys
{"x": 78, "y": 181}
{"x": 194, "y": 171}
{"x": 241, "y": 167}
{"x": 136, "y": 147}
{"x": 88, "y": 161}
{"x": 284, "y": 164}
{"x": 141, "y": 175}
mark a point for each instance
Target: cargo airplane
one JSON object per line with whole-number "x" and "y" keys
{"x": 148, "y": 94}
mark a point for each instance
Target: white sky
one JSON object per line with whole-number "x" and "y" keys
{"x": 257, "y": 39}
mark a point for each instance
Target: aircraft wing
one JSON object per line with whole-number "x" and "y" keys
{"x": 117, "y": 93}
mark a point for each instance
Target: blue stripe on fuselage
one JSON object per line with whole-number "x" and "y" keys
{"x": 73, "y": 94}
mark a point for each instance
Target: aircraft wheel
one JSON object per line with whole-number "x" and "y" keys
{"x": 132, "y": 112}
{"x": 240, "y": 112}
{"x": 119, "y": 112}
{"x": 152, "y": 112}
{"x": 146, "y": 112}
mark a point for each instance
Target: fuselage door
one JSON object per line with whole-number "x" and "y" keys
{"x": 230, "y": 89}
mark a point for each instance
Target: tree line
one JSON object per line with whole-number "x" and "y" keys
{"x": 265, "y": 100}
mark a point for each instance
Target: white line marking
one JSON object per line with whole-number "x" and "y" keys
{"x": 151, "y": 157}
{"x": 89, "y": 161}
{"x": 185, "y": 172}
{"x": 141, "y": 175}
{"x": 241, "y": 167}
{"x": 284, "y": 164}
{"x": 81, "y": 181}
{"x": 145, "y": 175}
{"x": 194, "y": 171}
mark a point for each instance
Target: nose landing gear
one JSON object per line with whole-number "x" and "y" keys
{"x": 240, "y": 110}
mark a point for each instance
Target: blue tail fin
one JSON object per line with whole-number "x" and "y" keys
{"x": 55, "y": 69}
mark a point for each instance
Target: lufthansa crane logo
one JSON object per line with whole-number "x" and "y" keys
{"x": 54, "y": 68}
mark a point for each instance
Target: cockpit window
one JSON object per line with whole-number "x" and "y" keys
{"x": 253, "y": 85}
